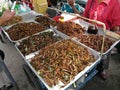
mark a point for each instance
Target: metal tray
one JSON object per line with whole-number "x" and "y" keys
{"x": 25, "y": 17}
{"x": 34, "y": 53}
{"x": 45, "y": 21}
{"x": 85, "y": 25}
{"x": 116, "y": 41}
{"x": 7, "y": 27}
{"x": 14, "y": 41}
{"x": 111, "y": 47}
{"x": 78, "y": 76}
{"x": 81, "y": 22}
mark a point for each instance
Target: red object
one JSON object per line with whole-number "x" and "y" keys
{"x": 56, "y": 18}
{"x": 60, "y": 18}
{"x": 30, "y": 5}
{"x": 108, "y": 12}
{"x": 27, "y": 2}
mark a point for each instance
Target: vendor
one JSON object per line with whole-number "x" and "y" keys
{"x": 72, "y": 7}
{"x": 108, "y": 12}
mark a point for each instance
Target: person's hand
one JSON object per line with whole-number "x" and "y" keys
{"x": 118, "y": 32}
{"x": 7, "y": 15}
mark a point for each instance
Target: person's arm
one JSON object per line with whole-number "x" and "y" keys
{"x": 75, "y": 10}
{"x": 6, "y": 16}
{"x": 79, "y": 8}
{"x": 1, "y": 21}
{"x": 72, "y": 4}
{"x": 115, "y": 18}
{"x": 116, "y": 29}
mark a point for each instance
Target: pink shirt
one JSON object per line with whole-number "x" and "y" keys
{"x": 107, "y": 12}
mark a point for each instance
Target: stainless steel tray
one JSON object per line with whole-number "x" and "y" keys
{"x": 111, "y": 47}
{"x": 6, "y": 28}
{"x": 25, "y": 17}
{"x": 78, "y": 76}
{"x": 81, "y": 22}
{"x": 34, "y": 53}
{"x": 85, "y": 25}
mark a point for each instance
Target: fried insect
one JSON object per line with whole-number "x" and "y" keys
{"x": 15, "y": 19}
{"x": 95, "y": 42}
{"x": 45, "y": 21}
{"x": 61, "y": 62}
{"x": 36, "y": 42}
{"x": 22, "y": 30}
{"x": 70, "y": 28}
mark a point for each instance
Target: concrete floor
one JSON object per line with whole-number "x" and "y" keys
{"x": 112, "y": 83}
{"x": 14, "y": 63}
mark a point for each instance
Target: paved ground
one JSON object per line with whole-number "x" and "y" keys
{"x": 113, "y": 83}
{"x": 14, "y": 63}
